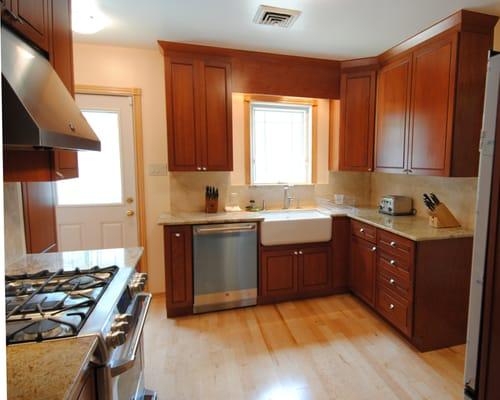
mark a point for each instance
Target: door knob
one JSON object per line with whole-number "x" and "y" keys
{"x": 130, "y": 213}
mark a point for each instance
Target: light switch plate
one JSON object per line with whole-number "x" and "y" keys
{"x": 157, "y": 169}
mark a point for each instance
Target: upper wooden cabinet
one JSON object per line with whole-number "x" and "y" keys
{"x": 199, "y": 119}
{"x": 430, "y": 96}
{"x": 31, "y": 19}
{"x": 45, "y": 165}
{"x": 357, "y": 113}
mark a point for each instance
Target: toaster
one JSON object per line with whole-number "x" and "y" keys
{"x": 396, "y": 205}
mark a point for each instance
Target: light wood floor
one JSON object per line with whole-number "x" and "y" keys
{"x": 326, "y": 348}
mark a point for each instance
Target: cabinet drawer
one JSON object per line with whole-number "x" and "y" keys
{"x": 391, "y": 279}
{"x": 396, "y": 245}
{"x": 394, "y": 263}
{"x": 364, "y": 231}
{"x": 395, "y": 309}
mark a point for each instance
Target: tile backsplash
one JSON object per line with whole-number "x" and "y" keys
{"x": 15, "y": 245}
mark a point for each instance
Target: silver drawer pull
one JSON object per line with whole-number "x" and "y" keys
{"x": 177, "y": 235}
{"x": 392, "y": 281}
{"x": 362, "y": 230}
{"x": 296, "y": 253}
{"x": 300, "y": 252}
{"x": 393, "y": 244}
{"x": 226, "y": 229}
{"x": 391, "y": 306}
{"x": 374, "y": 248}
{"x": 392, "y": 262}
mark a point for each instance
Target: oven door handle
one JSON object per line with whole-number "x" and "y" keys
{"x": 123, "y": 364}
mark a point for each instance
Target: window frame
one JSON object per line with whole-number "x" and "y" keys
{"x": 277, "y": 100}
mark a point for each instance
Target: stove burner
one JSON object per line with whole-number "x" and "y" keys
{"x": 42, "y": 327}
{"x": 83, "y": 280}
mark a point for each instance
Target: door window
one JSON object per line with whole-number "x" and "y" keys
{"x": 100, "y": 176}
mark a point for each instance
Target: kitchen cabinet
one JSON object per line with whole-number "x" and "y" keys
{"x": 357, "y": 114}
{"x": 341, "y": 227}
{"x": 31, "y": 19}
{"x": 421, "y": 288}
{"x": 429, "y": 99}
{"x": 393, "y": 108}
{"x": 362, "y": 271}
{"x": 199, "y": 118}
{"x": 88, "y": 390}
{"x": 39, "y": 217}
{"x": 178, "y": 241}
{"x": 295, "y": 271}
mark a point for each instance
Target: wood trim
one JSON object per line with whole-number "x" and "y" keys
{"x": 136, "y": 95}
{"x": 365, "y": 64}
{"x": 248, "y": 98}
{"x": 334, "y": 135}
{"x": 461, "y": 20}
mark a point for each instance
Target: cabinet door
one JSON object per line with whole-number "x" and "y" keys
{"x": 391, "y": 127}
{"x": 178, "y": 269}
{"x": 279, "y": 275}
{"x": 183, "y": 103}
{"x": 357, "y": 113}
{"x": 31, "y": 18}
{"x": 65, "y": 164}
{"x": 39, "y": 217}
{"x": 362, "y": 276}
{"x": 216, "y": 117}
{"x": 432, "y": 102}
{"x": 315, "y": 269}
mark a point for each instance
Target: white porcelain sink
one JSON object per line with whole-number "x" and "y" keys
{"x": 295, "y": 226}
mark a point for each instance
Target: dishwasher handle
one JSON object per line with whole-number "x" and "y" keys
{"x": 230, "y": 228}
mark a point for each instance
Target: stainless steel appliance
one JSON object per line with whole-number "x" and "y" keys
{"x": 225, "y": 266}
{"x": 38, "y": 110}
{"x": 481, "y": 238}
{"x": 396, "y": 205}
{"x": 105, "y": 301}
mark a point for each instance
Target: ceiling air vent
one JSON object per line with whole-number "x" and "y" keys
{"x": 274, "y": 16}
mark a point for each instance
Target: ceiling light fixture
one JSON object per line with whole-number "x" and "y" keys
{"x": 86, "y": 17}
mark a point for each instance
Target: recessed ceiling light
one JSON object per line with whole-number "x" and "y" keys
{"x": 86, "y": 17}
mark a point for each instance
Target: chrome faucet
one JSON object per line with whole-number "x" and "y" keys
{"x": 287, "y": 199}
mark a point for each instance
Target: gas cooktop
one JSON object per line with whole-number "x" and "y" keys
{"x": 52, "y": 305}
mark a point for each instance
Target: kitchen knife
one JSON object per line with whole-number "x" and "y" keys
{"x": 428, "y": 202}
{"x": 435, "y": 199}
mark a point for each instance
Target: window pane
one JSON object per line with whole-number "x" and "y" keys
{"x": 281, "y": 137}
{"x": 100, "y": 178}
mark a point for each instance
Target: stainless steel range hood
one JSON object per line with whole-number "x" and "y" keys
{"x": 38, "y": 110}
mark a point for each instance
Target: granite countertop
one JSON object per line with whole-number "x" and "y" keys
{"x": 416, "y": 228}
{"x": 48, "y": 370}
{"x": 53, "y": 368}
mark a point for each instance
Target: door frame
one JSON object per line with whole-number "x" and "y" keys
{"x": 136, "y": 95}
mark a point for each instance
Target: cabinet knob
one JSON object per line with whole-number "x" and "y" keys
{"x": 177, "y": 235}
{"x": 300, "y": 252}
{"x": 296, "y": 253}
{"x": 392, "y": 281}
{"x": 374, "y": 248}
{"x": 393, "y": 244}
{"x": 392, "y": 262}
{"x": 369, "y": 170}
{"x": 59, "y": 174}
{"x": 391, "y": 306}
{"x": 362, "y": 230}
{"x": 198, "y": 168}
{"x": 204, "y": 168}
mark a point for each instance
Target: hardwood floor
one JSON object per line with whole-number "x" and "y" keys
{"x": 326, "y": 348}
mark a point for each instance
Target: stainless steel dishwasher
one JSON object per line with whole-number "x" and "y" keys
{"x": 225, "y": 266}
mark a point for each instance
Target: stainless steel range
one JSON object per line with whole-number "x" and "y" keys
{"x": 104, "y": 301}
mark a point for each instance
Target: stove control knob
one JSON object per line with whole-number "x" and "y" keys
{"x": 115, "y": 339}
{"x": 120, "y": 326}
{"x": 123, "y": 318}
{"x": 137, "y": 287}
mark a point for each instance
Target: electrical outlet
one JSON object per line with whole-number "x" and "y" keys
{"x": 157, "y": 169}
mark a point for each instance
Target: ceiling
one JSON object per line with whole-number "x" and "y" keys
{"x": 332, "y": 29}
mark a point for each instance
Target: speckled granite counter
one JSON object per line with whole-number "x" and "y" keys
{"x": 48, "y": 370}
{"x": 416, "y": 228}
{"x": 51, "y": 370}
{"x": 195, "y": 218}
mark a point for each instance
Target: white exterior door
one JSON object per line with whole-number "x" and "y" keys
{"x": 97, "y": 210}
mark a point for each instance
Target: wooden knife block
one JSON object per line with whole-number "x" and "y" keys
{"x": 442, "y": 217}
{"x": 211, "y": 205}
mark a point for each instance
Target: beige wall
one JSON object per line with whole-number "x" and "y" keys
{"x": 15, "y": 244}
{"x": 496, "y": 40}
{"x": 137, "y": 68}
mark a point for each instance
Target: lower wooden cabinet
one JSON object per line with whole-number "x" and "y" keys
{"x": 179, "y": 269}
{"x": 288, "y": 272}
{"x": 88, "y": 390}
{"x": 362, "y": 272}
